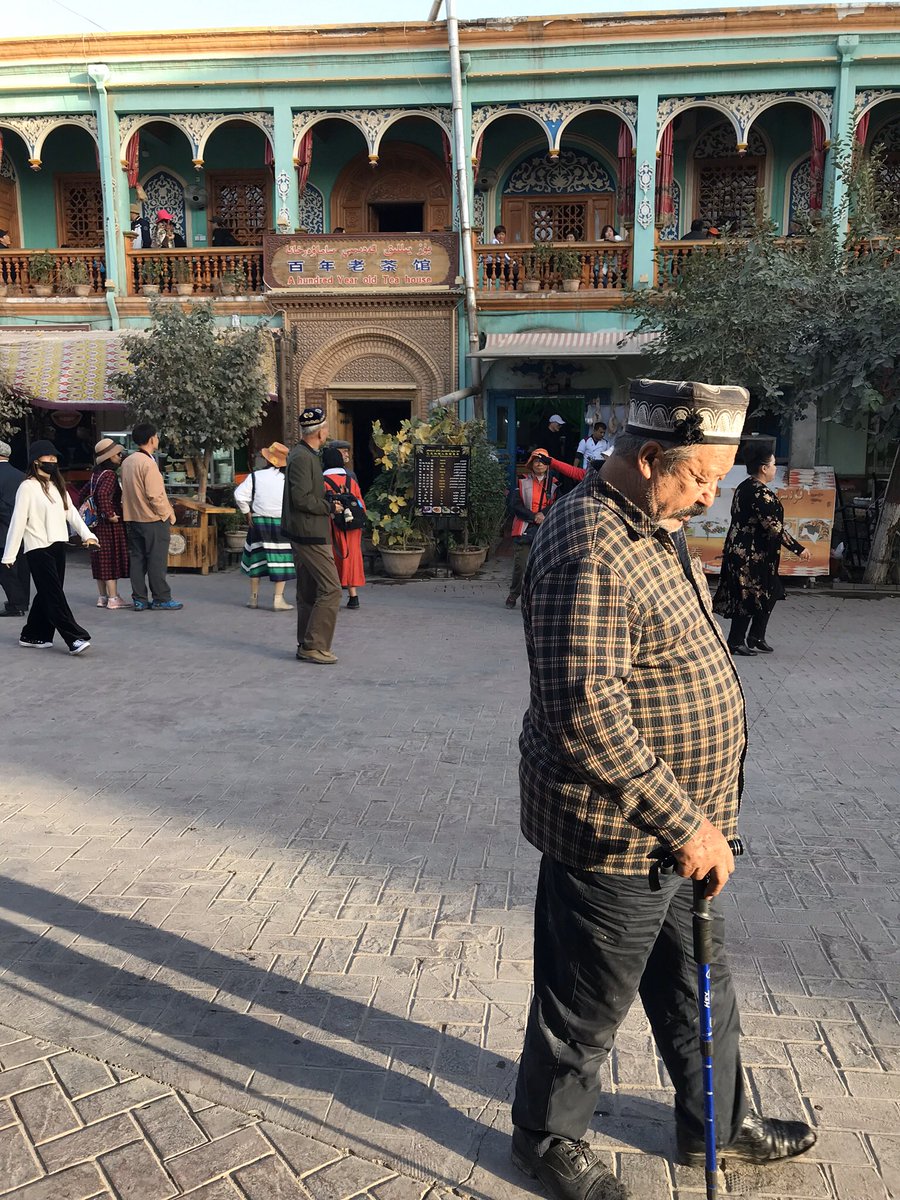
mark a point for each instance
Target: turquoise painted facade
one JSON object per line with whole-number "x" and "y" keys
{"x": 220, "y": 114}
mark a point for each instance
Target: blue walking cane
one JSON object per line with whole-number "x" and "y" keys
{"x": 701, "y": 921}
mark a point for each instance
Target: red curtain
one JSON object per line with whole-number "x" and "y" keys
{"x": 448, "y": 153}
{"x": 625, "y": 207}
{"x": 304, "y": 161}
{"x": 270, "y": 156}
{"x": 862, "y": 130}
{"x": 816, "y": 163}
{"x": 665, "y": 174}
{"x": 132, "y": 158}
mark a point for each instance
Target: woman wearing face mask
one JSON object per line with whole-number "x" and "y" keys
{"x": 42, "y": 517}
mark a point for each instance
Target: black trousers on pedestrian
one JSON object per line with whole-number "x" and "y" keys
{"x": 15, "y": 581}
{"x": 752, "y": 627}
{"x": 600, "y": 940}
{"x": 50, "y": 612}
{"x": 148, "y": 549}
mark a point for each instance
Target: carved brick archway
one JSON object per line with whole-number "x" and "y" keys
{"x": 405, "y": 174}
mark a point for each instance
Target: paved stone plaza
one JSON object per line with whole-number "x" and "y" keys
{"x": 266, "y": 926}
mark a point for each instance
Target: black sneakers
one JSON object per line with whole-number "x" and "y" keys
{"x": 568, "y": 1170}
{"x": 761, "y": 1140}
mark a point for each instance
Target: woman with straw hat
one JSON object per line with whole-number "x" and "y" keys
{"x": 104, "y": 495}
{"x": 266, "y": 552}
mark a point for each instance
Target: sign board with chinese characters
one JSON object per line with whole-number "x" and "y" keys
{"x": 808, "y": 498}
{"x": 358, "y": 261}
{"x": 441, "y": 481}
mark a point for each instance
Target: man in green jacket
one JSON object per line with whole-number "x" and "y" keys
{"x": 306, "y": 521}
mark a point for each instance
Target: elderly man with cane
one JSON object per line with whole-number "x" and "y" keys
{"x": 632, "y": 754}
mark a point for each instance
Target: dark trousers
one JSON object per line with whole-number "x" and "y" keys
{"x": 520, "y": 562}
{"x": 752, "y": 627}
{"x": 15, "y": 580}
{"x": 50, "y": 612}
{"x": 148, "y": 549}
{"x": 318, "y": 596}
{"x": 600, "y": 940}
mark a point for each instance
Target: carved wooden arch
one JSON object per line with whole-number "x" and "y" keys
{"x": 405, "y": 173}
{"x": 370, "y": 341}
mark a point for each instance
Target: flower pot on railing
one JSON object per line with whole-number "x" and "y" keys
{"x": 184, "y": 289}
{"x": 42, "y": 289}
{"x": 531, "y": 285}
{"x": 571, "y": 285}
{"x": 81, "y": 289}
{"x": 150, "y": 289}
{"x": 4, "y": 289}
{"x": 42, "y": 273}
{"x": 466, "y": 561}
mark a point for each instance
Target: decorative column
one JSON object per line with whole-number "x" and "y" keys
{"x": 844, "y": 100}
{"x": 99, "y": 73}
{"x": 287, "y": 199}
{"x": 645, "y": 189}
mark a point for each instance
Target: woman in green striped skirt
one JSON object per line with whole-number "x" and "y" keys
{"x": 266, "y": 552}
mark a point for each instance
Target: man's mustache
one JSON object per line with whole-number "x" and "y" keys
{"x": 694, "y": 511}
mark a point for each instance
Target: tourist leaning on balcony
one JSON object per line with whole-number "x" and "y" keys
{"x": 167, "y": 236}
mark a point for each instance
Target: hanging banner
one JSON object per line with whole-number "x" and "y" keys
{"x": 353, "y": 261}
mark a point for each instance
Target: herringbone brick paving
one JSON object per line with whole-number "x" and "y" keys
{"x": 302, "y": 896}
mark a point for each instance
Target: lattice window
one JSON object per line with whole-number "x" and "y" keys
{"x": 555, "y": 222}
{"x": 727, "y": 194}
{"x": 887, "y": 180}
{"x": 241, "y": 200}
{"x": 79, "y": 210}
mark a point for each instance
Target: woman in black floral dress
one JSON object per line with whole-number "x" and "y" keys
{"x": 749, "y": 584}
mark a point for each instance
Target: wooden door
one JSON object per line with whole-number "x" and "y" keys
{"x": 79, "y": 211}
{"x": 727, "y": 192}
{"x": 553, "y": 218}
{"x": 242, "y": 200}
{"x": 9, "y": 211}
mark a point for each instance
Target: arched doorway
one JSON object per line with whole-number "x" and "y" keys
{"x": 727, "y": 183}
{"x": 408, "y": 192}
{"x": 551, "y": 200}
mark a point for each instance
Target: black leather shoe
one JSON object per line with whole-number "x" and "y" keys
{"x": 744, "y": 651}
{"x": 761, "y": 645}
{"x": 510, "y": 601}
{"x": 13, "y": 612}
{"x": 761, "y": 1140}
{"x": 568, "y": 1170}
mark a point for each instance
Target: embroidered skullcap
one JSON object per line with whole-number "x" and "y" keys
{"x": 312, "y": 419}
{"x": 685, "y": 413}
{"x": 5, "y": 450}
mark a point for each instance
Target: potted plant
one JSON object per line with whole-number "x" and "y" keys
{"x": 150, "y": 276}
{"x": 399, "y": 542}
{"x": 465, "y": 560}
{"x": 235, "y": 528}
{"x": 568, "y": 264}
{"x": 538, "y": 264}
{"x": 74, "y": 277}
{"x": 183, "y": 275}
{"x": 232, "y": 279}
{"x": 41, "y": 272}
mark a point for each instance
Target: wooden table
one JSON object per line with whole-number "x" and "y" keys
{"x": 196, "y": 546}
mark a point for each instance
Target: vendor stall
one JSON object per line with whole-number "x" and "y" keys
{"x": 194, "y": 540}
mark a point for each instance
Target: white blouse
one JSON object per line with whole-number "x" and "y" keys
{"x": 269, "y": 493}
{"x": 39, "y": 519}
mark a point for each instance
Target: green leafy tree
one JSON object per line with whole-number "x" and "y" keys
{"x": 13, "y": 409}
{"x": 804, "y": 321}
{"x": 203, "y": 387}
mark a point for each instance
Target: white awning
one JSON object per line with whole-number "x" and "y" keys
{"x": 551, "y": 343}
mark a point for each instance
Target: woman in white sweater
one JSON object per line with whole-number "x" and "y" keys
{"x": 267, "y": 553}
{"x": 42, "y": 517}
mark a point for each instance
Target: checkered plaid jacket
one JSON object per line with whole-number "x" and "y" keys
{"x": 636, "y": 726}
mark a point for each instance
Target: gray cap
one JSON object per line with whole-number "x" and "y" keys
{"x": 5, "y": 449}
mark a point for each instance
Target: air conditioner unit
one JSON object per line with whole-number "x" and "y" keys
{"x": 196, "y": 198}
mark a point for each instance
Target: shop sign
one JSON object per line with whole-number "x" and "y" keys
{"x": 353, "y": 262}
{"x": 441, "y": 481}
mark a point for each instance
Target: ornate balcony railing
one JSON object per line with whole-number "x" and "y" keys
{"x": 227, "y": 271}
{"x": 603, "y": 266}
{"x": 61, "y": 272}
